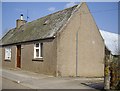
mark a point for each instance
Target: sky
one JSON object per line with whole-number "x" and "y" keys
{"x": 105, "y": 13}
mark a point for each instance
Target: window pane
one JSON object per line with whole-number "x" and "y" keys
{"x": 37, "y": 52}
{"x": 7, "y": 53}
{"x": 41, "y": 50}
{"x": 37, "y": 45}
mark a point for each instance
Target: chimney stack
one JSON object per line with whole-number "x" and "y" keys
{"x": 20, "y": 22}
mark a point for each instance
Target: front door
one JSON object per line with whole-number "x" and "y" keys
{"x": 19, "y": 56}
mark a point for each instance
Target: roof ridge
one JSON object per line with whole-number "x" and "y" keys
{"x": 36, "y": 29}
{"x": 78, "y": 6}
{"x": 54, "y": 13}
{"x": 7, "y": 33}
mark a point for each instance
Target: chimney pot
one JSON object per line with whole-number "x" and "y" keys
{"x": 21, "y": 17}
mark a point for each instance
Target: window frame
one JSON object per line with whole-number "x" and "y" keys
{"x": 40, "y": 48}
{"x": 9, "y": 53}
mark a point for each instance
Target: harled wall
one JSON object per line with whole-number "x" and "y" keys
{"x": 9, "y": 63}
{"x": 88, "y": 58}
{"x": 45, "y": 66}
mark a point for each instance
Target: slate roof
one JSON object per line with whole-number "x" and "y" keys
{"x": 111, "y": 41}
{"x": 42, "y": 28}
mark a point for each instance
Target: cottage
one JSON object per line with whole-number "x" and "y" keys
{"x": 65, "y": 43}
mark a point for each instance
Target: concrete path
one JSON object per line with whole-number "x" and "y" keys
{"x": 40, "y": 81}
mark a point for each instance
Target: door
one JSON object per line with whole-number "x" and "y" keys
{"x": 19, "y": 56}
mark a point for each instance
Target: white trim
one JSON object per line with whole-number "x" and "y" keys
{"x": 39, "y": 48}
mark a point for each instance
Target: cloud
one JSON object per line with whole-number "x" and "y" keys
{"x": 70, "y": 4}
{"x": 20, "y": 10}
{"x": 51, "y": 9}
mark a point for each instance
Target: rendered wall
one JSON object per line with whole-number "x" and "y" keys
{"x": 11, "y": 63}
{"x": 45, "y": 66}
{"x": 90, "y": 51}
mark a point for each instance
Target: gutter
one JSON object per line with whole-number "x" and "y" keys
{"x": 23, "y": 42}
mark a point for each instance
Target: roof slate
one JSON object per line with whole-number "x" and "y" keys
{"x": 111, "y": 41}
{"x": 41, "y": 28}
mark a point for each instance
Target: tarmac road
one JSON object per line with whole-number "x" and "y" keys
{"x": 8, "y": 84}
{"x": 39, "y": 81}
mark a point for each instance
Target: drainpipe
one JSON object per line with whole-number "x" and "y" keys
{"x": 77, "y": 45}
{"x": 76, "y": 53}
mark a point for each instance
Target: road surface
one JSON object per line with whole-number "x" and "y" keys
{"x": 8, "y": 84}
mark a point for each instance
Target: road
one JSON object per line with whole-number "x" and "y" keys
{"x": 8, "y": 84}
{"x": 39, "y": 81}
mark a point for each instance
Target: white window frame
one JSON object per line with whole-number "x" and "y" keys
{"x": 8, "y": 53}
{"x": 40, "y": 51}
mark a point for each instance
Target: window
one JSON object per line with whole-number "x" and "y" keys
{"x": 38, "y": 50}
{"x": 8, "y": 53}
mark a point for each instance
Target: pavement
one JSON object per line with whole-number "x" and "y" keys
{"x": 40, "y": 81}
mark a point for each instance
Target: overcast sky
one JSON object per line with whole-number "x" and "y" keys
{"x": 105, "y": 14}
